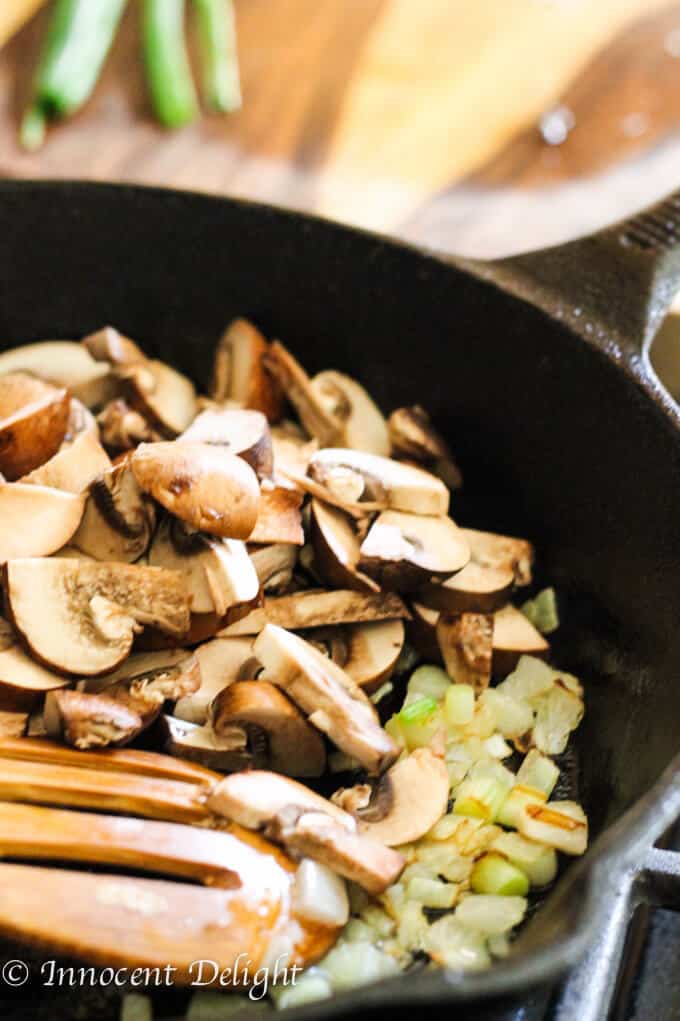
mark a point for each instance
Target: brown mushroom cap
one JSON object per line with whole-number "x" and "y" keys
{"x": 108, "y": 345}
{"x": 513, "y": 636}
{"x": 33, "y": 420}
{"x": 89, "y": 721}
{"x": 475, "y": 589}
{"x": 240, "y": 431}
{"x": 239, "y": 373}
{"x": 297, "y": 386}
{"x": 280, "y": 737}
{"x": 211, "y": 490}
{"x": 36, "y": 520}
{"x": 337, "y": 549}
{"x": 402, "y": 551}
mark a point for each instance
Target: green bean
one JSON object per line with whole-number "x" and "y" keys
{"x": 77, "y": 42}
{"x": 167, "y": 64}
{"x": 217, "y": 34}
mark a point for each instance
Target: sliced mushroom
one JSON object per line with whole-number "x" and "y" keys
{"x": 22, "y": 680}
{"x": 368, "y": 653}
{"x": 218, "y": 571}
{"x": 211, "y": 490}
{"x": 465, "y": 641}
{"x": 33, "y": 420}
{"x": 12, "y": 725}
{"x": 421, "y": 631}
{"x": 64, "y": 363}
{"x": 89, "y": 721}
{"x": 331, "y": 700}
{"x": 405, "y": 802}
{"x": 119, "y": 518}
{"x": 279, "y": 737}
{"x": 165, "y": 397}
{"x": 108, "y": 345}
{"x": 220, "y": 662}
{"x": 297, "y": 386}
{"x": 514, "y": 636}
{"x": 338, "y": 489}
{"x": 178, "y": 667}
{"x": 363, "y": 424}
{"x": 501, "y": 551}
{"x": 123, "y": 428}
{"x": 35, "y": 520}
{"x": 414, "y": 437}
{"x": 81, "y": 617}
{"x": 355, "y": 856}
{"x": 402, "y": 551}
{"x": 316, "y": 608}
{"x": 254, "y": 798}
{"x": 475, "y": 589}
{"x": 74, "y": 467}
{"x": 337, "y": 549}
{"x": 240, "y": 431}
{"x": 274, "y": 565}
{"x": 391, "y": 484}
{"x": 239, "y": 374}
{"x": 146, "y": 692}
{"x": 279, "y": 519}
{"x": 292, "y": 451}
{"x": 227, "y": 753}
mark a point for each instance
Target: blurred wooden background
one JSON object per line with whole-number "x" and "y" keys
{"x": 479, "y": 126}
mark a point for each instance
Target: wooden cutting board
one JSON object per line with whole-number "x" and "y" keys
{"x": 421, "y": 119}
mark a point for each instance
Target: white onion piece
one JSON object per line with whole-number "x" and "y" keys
{"x": 489, "y": 913}
{"x": 319, "y": 895}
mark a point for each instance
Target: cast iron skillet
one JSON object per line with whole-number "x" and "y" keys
{"x": 536, "y": 369}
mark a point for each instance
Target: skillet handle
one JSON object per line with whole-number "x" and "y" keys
{"x": 613, "y": 287}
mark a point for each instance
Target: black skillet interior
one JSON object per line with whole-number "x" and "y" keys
{"x": 557, "y": 442}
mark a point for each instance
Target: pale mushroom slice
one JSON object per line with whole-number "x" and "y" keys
{"x": 209, "y": 489}
{"x": 75, "y": 465}
{"x": 109, "y": 345}
{"x": 340, "y": 488}
{"x": 368, "y": 653}
{"x": 145, "y": 692}
{"x": 337, "y": 549}
{"x": 331, "y": 700}
{"x": 119, "y": 517}
{"x": 136, "y": 923}
{"x": 305, "y": 823}
{"x": 414, "y": 437}
{"x": 165, "y": 397}
{"x": 319, "y": 608}
{"x": 239, "y": 373}
{"x": 279, "y": 737}
{"x": 220, "y": 662}
{"x": 23, "y": 681}
{"x": 404, "y": 803}
{"x": 36, "y": 520}
{"x": 513, "y": 636}
{"x": 279, "y": 518}
{"x": 12, "y": 724}
{"x": 274, "y": 565}
{"x": 297, "y": 386}
{"x": 80, "y": 617}
{"x": 402, "y": 551}
{"x": 501, "y": 551}
{"x": 392, "y": 484}
{"x": 475, "y": 589}
{"x": 466, "y": 641}
{"x": 89, "y": 721}
{"x": 64, "y": 363}
{"x": 227, "y": 752}
{"x": 240, "y": 431}
{"x": 33, "y": 420}
{"x": 363, "y": 424}
{"x": 292, "y": 451}
{"x": 181, "y": 665}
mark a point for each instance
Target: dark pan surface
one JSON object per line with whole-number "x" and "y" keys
{"x": 557, "y": 442}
